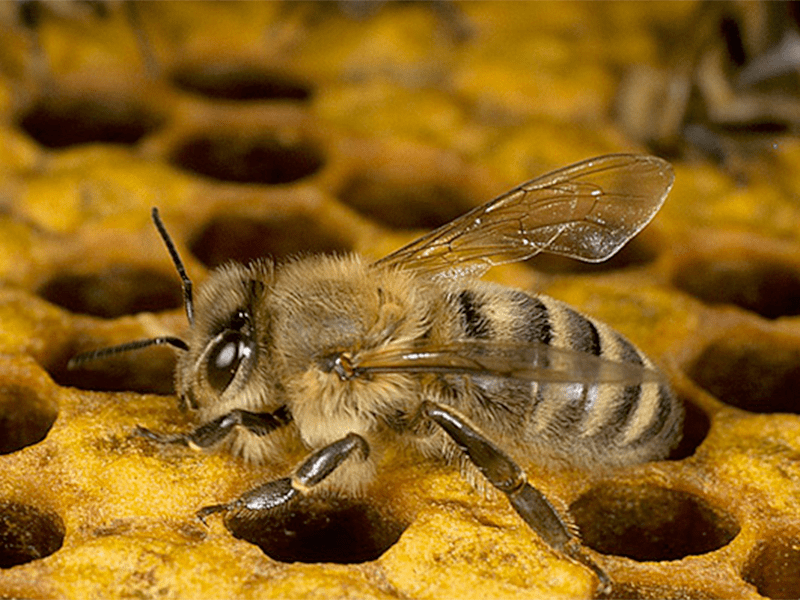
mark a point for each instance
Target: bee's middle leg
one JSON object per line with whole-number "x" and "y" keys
{"x": 313, "y": 471}
{"x": 508, "y": 477}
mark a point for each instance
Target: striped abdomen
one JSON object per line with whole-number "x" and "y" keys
{"x": 585, "y": 423}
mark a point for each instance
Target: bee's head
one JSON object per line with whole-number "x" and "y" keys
{"x": 228, "y": 346}
{"x": 222, "y": 349}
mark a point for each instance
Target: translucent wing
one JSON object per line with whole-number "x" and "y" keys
{"x": 528, "y": 361}
{"x": 587, "y": 211}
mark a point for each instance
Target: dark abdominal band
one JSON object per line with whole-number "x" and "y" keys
{"x": 475, "y": 322}
{"x": 533, "y": 323}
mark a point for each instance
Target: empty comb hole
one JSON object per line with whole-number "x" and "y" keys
{"x": 759, "y": 375}
{"x": 114, "y": 292}
{"x": 404, "y": 205}
{"x": 640, "y": 251}
{"x": 316, "y": 529}
{"x": 147, "y": 371}
{"x": 62, "y": 121}
{"x": 27, "y": 534}
{"x": 768, "y": 288}
{"x": 774, "y": 568}
{"x": 696, "y": 425}
{"x": 648, "y": 523}
{"x": 239, "y": 82}
{"x": 242, "y": 239}
{"x": 25, "y": 417}
{"x": 260, "y": 158}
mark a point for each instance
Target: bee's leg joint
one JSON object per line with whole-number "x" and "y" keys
{"x": 311, "y": 472}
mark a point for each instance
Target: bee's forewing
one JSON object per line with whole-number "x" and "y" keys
{"x": 587, "y": 211}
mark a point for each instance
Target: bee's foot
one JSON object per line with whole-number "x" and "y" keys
{"x": 161, "y": 438}
{"x": 210, "y": 510}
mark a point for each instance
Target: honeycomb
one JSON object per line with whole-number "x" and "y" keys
{"x": 277, "y": 129}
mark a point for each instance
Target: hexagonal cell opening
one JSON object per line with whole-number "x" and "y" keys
{"x": 242, "y": 239}
{"x": 758, "y": 375}
{"x": 404, "y": 205}
{"x": 25, "y": 417}
{"x": 316, "y": 529}
{"x": 27, "y": 534}
{"x": 649, "y": 523}
{"x": 640, "y": 251}
{"x": 116, "y": 291}
{"x": 146, "y": 371}
{"x": 60, "y": 121}
{"x": 259, "y": 157}
{"x": 768, "y": 288}
{"x": 239, "y": 82}
{"x": 774, "y": 568}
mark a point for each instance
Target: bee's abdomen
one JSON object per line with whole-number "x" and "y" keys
{"x": 584, "y": 422}
{"x": 603, "y": 422}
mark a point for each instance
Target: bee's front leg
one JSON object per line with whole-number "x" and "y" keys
{"x": 508, "y": 477}
{"x": 313, "y": 471}
{"x": 216, "y": 430}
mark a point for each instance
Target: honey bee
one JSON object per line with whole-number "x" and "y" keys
{"x": 346, "y": 356}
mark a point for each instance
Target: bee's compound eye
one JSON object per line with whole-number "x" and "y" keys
{"x": 225, "y": 358}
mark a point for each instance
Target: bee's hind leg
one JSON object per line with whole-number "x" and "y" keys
{"x": 310, "y": 473}
{"x": 508, "y": 477}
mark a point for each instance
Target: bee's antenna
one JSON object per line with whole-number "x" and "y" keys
{"x": 79, "y": 359}
{"x": 185, "y": 281}
{"x": 178, "y": 343}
